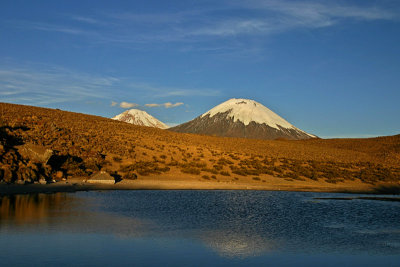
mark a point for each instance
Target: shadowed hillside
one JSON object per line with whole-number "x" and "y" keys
{"x": 84, "y": 144}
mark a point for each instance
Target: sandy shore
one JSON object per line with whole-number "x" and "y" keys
{"x": 189, "y": 183}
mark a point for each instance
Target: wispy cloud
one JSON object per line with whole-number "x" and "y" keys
{"x": 234, "y": 27}
{"x": 128, "y": 105}
{"x": 165, "y": 91}
{"x": 86, "y": 19}
{"x": 221, "y": 20}
{"x": 188, "y": 92}
{"x": 46, "y": 84}
{"x": 166, "y": 105}
{"x": 51, "y": 85}
{"x": 153, "y": 105}
{"x": 170, "y": 105}
{"x": 54, "y": 28}
{"x": 270, "y": 17}
{"x": 321, "y": 10}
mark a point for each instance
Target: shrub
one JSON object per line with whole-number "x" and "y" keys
{"x": 314, "y": 176}
{"x": 223, "y": 161}
{"x": 194, "y": 164}
{"x": 130, "y": 176}
{"x": 213, "y": 171}
{"x": 278, "y": 170}
{"x": 269, "y": 172}
{"x": 144, "y": 168}
{"x": 106, "y": 163}
{"x": 117, "y": 159}
{"x": 173, "y": 163}
{"x": 331, "y": 181}
{"x": 190, "y": 170}
{"x": 243, "y": 171}
{"x": 218, "y": 167}
{"x": 233, "y": 157}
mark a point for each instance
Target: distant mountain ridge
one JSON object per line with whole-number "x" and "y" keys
{"x": 243, "y": 118}
{"x": 140, "y": 117}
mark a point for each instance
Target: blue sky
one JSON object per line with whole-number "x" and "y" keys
{"x": 331, "y": 68}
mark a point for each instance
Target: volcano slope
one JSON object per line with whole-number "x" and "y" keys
{"x": 243, "y": 118}
{"x": 84, "y": 144}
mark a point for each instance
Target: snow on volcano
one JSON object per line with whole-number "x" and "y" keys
{"x": 140, "y": 117}
{"x": 243, "y": 118}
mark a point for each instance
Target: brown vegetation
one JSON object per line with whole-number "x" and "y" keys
{"x": 84, "y": 144}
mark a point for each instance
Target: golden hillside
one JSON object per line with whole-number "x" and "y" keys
{"x": 83, "y": 144}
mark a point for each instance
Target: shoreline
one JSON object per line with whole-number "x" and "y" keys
{"x": 77, "y": 185}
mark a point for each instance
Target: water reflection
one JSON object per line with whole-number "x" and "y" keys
{"x": 64, "y": 212}
{"x": 232, "y": 224}
{"x": 23, "y": 209}
{"x": 244, "y": 223}
{"x": 234, "y": 244}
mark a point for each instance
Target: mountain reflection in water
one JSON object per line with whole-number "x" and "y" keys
{"x": 227, "y": 224}
{"x": 63, "y": 212}
{"x": 22, "y": 209}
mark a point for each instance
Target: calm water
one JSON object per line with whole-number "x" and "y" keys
{"x": 197, "y": 228}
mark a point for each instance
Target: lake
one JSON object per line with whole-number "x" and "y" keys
{"x": 197, "y": 228}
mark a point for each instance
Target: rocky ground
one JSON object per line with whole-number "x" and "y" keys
{"x": 39, "y": 145}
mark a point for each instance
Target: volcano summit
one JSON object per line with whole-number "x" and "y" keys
{"x": 140, "y": 117}
{"x": 243, "y": 118}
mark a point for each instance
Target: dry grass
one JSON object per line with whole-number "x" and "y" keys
{"x": 84, "y": 144}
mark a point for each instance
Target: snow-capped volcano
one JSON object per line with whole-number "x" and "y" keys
{"x": 140, "y": 117}
{"x": 242, "y": 118}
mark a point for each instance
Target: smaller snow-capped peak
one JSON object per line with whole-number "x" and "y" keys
{"x": 246, "y": 111}
{"x": 140, "y": 117}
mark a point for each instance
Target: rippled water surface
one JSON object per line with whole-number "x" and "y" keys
{"x": 197, "y": 228}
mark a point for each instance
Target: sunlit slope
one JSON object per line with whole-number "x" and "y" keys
{"x": 91, "y": 143}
